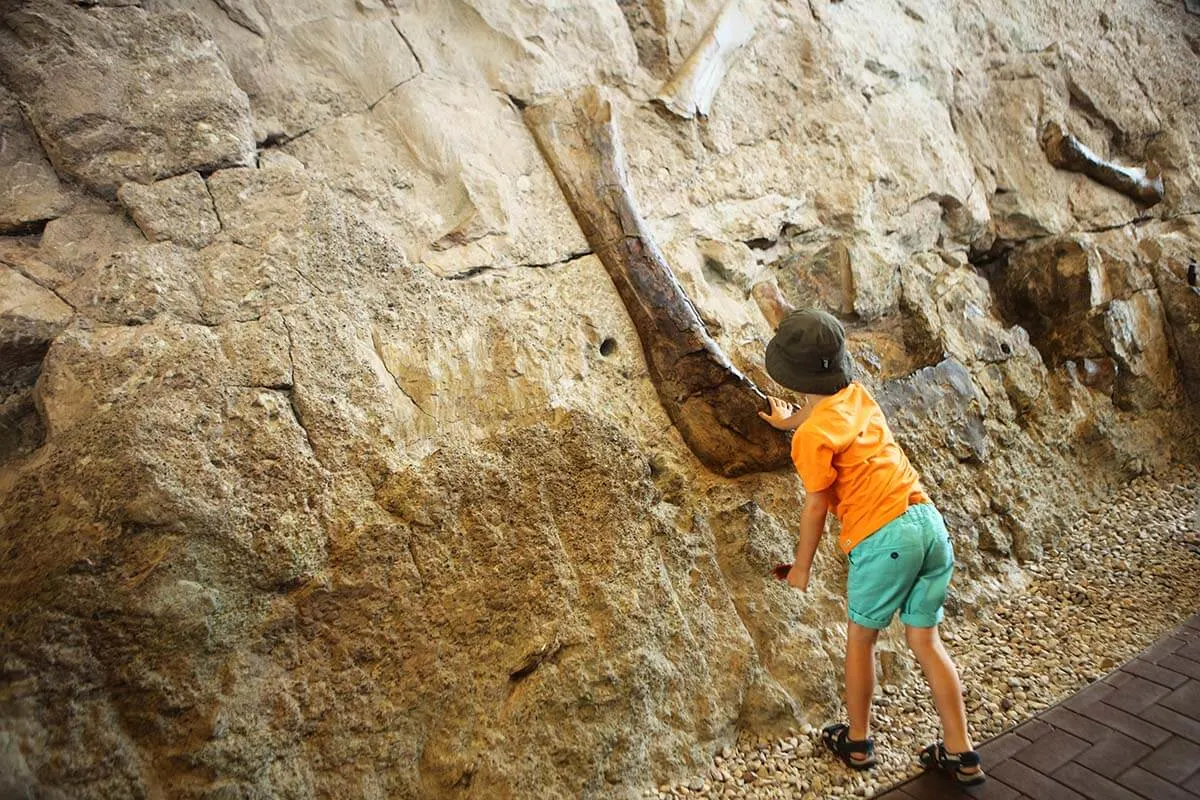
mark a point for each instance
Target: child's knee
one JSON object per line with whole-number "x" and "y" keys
{"x": 920, "y": 639}
{"x": 861, "y": 634}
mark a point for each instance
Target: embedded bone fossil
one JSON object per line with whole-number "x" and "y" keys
{"x": 1064, "y": 151}
{"x": 712, "y": 404}
{"x": 690, "y": 91}
{"x": 771, "y": 302}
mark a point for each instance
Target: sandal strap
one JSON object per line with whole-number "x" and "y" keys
{"x": 848, "y": 745}
{"x": 944, "y": 759}
{"x": 863, "y": 746}
{"x": 839, "y": 736}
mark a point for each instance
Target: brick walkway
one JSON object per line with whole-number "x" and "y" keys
{"x": 1134, "y": 735}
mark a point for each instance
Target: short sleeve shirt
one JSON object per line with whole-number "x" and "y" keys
{"x": 845, "y": 446}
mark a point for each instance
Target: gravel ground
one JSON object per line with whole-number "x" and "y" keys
{"x": 1126, "y": 573}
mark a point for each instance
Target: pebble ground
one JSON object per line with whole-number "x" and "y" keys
{"x": 1125, "y": 573}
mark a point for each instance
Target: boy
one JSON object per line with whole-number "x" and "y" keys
{"x": 900, "y": 554}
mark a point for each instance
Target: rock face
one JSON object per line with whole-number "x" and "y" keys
{"x": 329, "y": 460}
{"x": 176, "y": 209}
{"x": 94, "y": 82}
{"x": 30, "y": 191}
{"x": 1090, "y": 296}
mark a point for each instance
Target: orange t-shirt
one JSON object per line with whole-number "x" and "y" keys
{"x": 846, "y": 444}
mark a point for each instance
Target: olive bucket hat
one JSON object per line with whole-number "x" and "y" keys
{"x": 808, "y": 353}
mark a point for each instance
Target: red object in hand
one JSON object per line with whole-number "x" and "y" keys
{"x": 781, "y": 571}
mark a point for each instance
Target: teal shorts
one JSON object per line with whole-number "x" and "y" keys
{"x": 904, "y": 566}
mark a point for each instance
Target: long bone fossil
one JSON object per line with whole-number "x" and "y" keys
{"x": 711, "y": 403}
{"x": 691, "y": 89}
{"x": 1063, "y": 150}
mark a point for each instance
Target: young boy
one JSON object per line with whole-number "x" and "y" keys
{"x": 900, "y": 554}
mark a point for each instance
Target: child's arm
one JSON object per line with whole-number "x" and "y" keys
{"x": 812, "y": 526}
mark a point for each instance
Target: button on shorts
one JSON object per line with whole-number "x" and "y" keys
{"x": 904, "y": 566}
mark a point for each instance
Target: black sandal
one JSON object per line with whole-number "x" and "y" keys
{"x": 837, "y": 739}
{"x": 935, "y": 757}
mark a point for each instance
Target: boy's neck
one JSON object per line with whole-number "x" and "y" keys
{"x": 810, "y": 402}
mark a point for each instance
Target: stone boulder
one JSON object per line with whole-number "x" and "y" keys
{"x": 178, "y": 209}
{"x": 30, "y": 318}
{"x": 937, "y": 408}
{"x": 1090, "y": 297}
{"x": 845, "y": 277}
{"x": 1174, "y": 257}
{"x": 30, "y": 192}
{"x": 117, "y": 94}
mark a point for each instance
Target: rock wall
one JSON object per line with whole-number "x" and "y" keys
{"x": 329, "y": 461}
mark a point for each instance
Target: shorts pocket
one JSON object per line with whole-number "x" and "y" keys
{"x": 880, "y": 579}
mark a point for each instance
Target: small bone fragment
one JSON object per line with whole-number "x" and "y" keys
{"x": 691, "y": 90}
{"x": 711, "y": 403}
{"x": 1064, "y": 151}
{"x": 771, "y": 302}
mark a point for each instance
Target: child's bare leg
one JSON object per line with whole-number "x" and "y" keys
{"x": 771, "y": 303}
{"x": 860, "y": 678}
{"x": 942, "y": 678}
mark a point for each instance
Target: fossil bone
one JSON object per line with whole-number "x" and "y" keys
{"x": 691, "y": 89}
{"x": 771, "y": 302}
{"x": 711, "y": 403}
{"x": 1064, "y": 151}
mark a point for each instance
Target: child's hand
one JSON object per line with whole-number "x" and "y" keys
{"x": 784, "y": 416}
{"x": 798, "y": 578}
{"x": 795, "y": 577}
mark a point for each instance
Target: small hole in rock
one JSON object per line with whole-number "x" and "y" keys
{"x": 1006, "y": 348}
{"x": 608, "y": 346}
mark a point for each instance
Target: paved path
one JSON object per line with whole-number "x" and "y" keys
{"x": 1133, "y": 735}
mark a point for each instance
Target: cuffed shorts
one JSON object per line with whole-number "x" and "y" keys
{"x": 904, "y": 566}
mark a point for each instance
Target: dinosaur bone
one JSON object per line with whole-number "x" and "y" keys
{"x": 771, "y": 302}
{"x": 712, "y": 404}
{"x": 691, "y": 90}
{"x": 1064, "y": 151}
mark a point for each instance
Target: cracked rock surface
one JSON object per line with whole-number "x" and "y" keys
{"x": 329, "y": 461}
{"x": 93, "y": 81}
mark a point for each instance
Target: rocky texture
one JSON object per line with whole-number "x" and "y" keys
{"x": 30, "y": 318}
{"x": 1172, "y": 259}
{"x": 457, "y": 202}
{"x": 712, "y": 404}
{"x": 30, "y": 192}
{"x": 277, "y": 493}
{"x": 306, "y": 63}
{"x": 93, "y": 81}
{"x": 1092, "y": 296}
{"x": 176, "y": 209}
